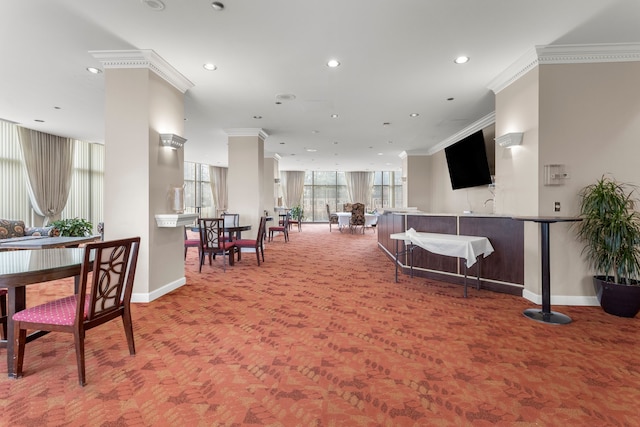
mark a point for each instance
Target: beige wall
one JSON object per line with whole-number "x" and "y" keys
{"x": 416, "y": 188}
{"x": 140, "y": 106}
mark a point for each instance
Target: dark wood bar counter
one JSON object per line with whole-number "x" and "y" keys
{"x": 502, "y": 272}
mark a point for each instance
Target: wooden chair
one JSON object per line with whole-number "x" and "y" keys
{"x": 283, "y": 227}
{"x": 357, "y": 217}
{"x": 104, "y": 293}
{"x": 296, "y": 220}
{"x": 257, "y": 244}
{"x": 230, "y": 220}
{"x": 190, "y": 243}
{"x": 333, "y": 218}
{"x": 3, "y": 313}
{"x": 212, "y": 242}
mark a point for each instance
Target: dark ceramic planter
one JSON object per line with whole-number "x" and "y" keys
{"x": 616, "y": 299}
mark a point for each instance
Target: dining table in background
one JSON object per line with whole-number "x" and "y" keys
{"x": 46, "y": 242}
{"x": 19, "y": 269}
{"x": 344, "y": 219}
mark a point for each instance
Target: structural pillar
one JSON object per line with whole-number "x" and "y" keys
{"x": 144, "y": 97}
{"x": 245, "y": 176}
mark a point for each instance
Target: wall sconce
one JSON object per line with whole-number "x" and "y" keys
{"x": 510, "y": 139}
{"x": 172, "y": 141}
{"x": 276, "y": 180}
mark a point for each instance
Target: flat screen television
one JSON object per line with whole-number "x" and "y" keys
{"x": 467, "y": 162}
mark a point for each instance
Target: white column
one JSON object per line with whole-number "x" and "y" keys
{"x": 144, "y": 98}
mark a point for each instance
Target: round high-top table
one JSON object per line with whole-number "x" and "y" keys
{"x": 545, "y": 315}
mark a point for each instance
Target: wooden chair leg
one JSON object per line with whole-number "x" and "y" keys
{"x": 21, "y": 339}
{"x": 78, "y": 337}
{"x": 128, "y": 331}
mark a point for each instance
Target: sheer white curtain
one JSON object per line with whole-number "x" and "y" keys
{"x": 360, "y": 187}
{"x": 48, "y": 161}
{"x": 218, "y": 179}
{"x": 292, "y": 183}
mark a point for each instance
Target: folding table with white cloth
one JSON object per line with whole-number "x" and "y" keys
{"x": 471, "y": 248}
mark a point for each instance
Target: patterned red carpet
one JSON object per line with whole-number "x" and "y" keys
{"x": 321, "y": 335}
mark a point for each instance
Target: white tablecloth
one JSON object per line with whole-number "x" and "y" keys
{"x": 467, "y": 247}
{"x": 344, "y": 217}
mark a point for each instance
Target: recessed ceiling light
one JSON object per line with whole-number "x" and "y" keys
{"x": 282, "y": 143}
{"x": 380, "y": 154}
{"x": 334, "y": 116}
{"x": 461, "y": 60}
{"x": 39, "y": 120}
{"x": 311, "y": 150}
{"x": 315, "y": 131}
{"x": 333, "y": 63}
{"x": 389, "y": 142}
{"x": 156, "y": 5}
{"x": 257, "y": 117}
{"x": 414, "y": 115}
{"x": 216, "y": 5}
{"x": 56, "y": 108}
{"x": 210, "y": 67}
{"x": 386, "y": 123}
{"x": 94, "y": 70}
{"x": 335, "y": 142}
{"x": 449, "y": 99}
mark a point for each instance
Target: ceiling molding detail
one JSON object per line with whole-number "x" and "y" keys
{"x": 487, "y": 120}
{"x": 143, "y": 59}
{"x": 565, "y": 54}
{"x": 247, "y": 132}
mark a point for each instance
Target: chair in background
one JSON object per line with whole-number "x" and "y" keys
{"x": 104, "y": 294}
{"x": 333, "y": 218}
{"x": 296, "y": 216}
{"x": 190, "y": 243}
{"x": 212, "y": 242}
{"x": 357, "y": 217}
{"x": 230, "y": 220}
{"x": 3, "y": 313}
{"x": 283, "y": 228}
{"x": 257, "y": 244}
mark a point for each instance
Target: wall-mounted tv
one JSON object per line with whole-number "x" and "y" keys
{"x": 467, "y": 162}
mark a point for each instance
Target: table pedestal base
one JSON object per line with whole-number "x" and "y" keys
{"x": 552, "y": 317}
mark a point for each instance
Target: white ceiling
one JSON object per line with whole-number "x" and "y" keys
{"x": 397, "y": 58}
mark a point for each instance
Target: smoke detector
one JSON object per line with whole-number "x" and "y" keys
{"x": 156, "y": 5}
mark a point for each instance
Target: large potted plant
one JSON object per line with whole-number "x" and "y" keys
{"x": 610, "y": 231}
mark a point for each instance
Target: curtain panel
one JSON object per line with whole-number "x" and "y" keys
{"x": 360, "y": 187}
{"x": 218, "y": 181}
{"x": 48, "y": 162}
{"x": 292, "y": 183}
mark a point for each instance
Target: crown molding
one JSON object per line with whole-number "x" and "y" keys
{"x": 487, "y": 120}
{"x": 259, "y": 132}
{"x": 143, "y": 59}
{"x": 565, "y": 54}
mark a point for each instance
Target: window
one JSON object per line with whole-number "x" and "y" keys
{"x": 322, "y": 188}
{"x": 86, "y": 191}
{"x": 197, "y": 190}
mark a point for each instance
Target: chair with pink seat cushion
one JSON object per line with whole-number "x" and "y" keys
{"x": 105, "y": 286}
{"x": 190, "y": 243}
{"x": 257, "y": 243}
{"x": 212, "y": 242}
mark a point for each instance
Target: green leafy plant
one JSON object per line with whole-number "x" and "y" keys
{"x": 297, "y": 213}
{"x": 610, "y": 229}
{"x": 73, "y": 227}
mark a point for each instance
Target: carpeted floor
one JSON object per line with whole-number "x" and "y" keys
{"x": 321, "y": 335}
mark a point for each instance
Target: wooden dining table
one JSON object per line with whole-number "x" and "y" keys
{"x": 19, "y": 269}
{"x": 46, "y": 242}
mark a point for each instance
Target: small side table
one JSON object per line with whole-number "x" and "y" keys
{"x": 546, "y": 315}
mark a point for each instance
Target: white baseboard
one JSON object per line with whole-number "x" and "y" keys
{"x": 148, "y": 297}
{"x": 562, "y": 299}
